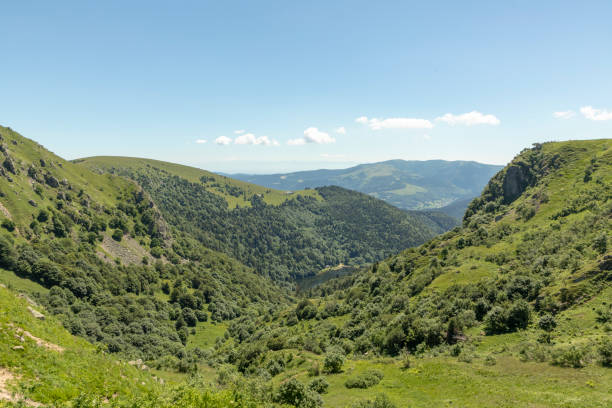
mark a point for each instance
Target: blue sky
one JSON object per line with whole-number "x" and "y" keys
{"x": 153, "y": 78}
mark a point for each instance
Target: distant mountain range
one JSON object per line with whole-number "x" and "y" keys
{"x": 412, "y": 185}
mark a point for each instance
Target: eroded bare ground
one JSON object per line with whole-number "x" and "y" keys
{"x": 40, "y": 342}
{"x": 6, "y": 378}
{"x": 129, "y": 250}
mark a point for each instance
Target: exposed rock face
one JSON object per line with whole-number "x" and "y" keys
{"x": 10, "y": 165}
{"x": 51, "y": 181}
{"x": 516, "y": 181}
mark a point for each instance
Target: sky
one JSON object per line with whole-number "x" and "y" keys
{"x": 277, "y": 86}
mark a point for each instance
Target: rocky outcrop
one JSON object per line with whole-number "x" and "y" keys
{"x": 51, "y": 181}
{"x": 9, "y": 165}
{"x": 516, "y": 180}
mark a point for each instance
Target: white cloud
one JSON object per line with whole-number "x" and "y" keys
{"x": 312, "y": 135}
{"x": 564, "y": 114}
{"x": 469, "y": 119}
{"x": 395, "y": 123}
{"x": 239, "y": 132}
{"x": 250, "y": 139}
{"x": 341, "y": 130}
{"x": 595, "y": 114}
{"x": 223, "y": 140}
{"x": 200, "y": 141}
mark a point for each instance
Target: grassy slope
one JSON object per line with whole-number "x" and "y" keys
{"x": 103, "y": 189}
{"x": 46, "y": 375}
{"x": 215, "y": 184}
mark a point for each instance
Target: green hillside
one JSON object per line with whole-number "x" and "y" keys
{"x": 511, "y": 309}
{"x": 95, "y": 251}
{"x": 41, "y": 364}
{"x": 412, "y": 185}
{"x": 283, "y": 235}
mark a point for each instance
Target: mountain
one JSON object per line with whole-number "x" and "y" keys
{"x": 412, "y": 185}
{"x": 510, "y": 309}
{"x": 283, "y": 235}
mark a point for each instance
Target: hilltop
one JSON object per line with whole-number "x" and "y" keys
{"x": 284, "y": 235}
{"x": 411, "y": 185}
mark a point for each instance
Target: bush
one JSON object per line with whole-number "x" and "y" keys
{"x": 570, "y": 356}
{"x": 319, "y": 385}
{"x": 333, "y": 362}
{"x": 495, "y": 321}
{"x": 547, "y": 323}
{"x": 381, "y": 401}
{"x": 8, "y": 225}
{"x": 365, "y": 380}
{"x": 295, "y": 393}
{"x": 605, "y": 352}
{"x": 117, "y": 235}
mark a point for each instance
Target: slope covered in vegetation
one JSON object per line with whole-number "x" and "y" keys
{"x": 100, "y": 256}
{"x": 281, "y": 234}
{"x": 513, "y": 308}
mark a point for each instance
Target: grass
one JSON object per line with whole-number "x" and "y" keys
{"x": 206, "y": 334}
{"x": 18, "y": 284}
{"x": 50, "y": 376}
{"x": 444, "y": 381}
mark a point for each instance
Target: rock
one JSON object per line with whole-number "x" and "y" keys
{"x": 51, "y": 181}
{"x": 20, "y": 338}
{"x": 27, "y": 299}
{"x": 2, "y": 148}
{"x": 18, "y": 348}
{"x": 43, "y": 163}
{"x": 32, "y": 203}
{"x": 14, "y": 142}
{"x": 36, "y": 313}
{"x": 32, "y": 172}
{"x": 64, "y": 182}
{"x": 515, "y": 182}
{"x": 2, "y": 285}
{"x": 10, "y": 165}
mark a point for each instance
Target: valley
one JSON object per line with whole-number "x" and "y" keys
{"x": 167, "y": 285}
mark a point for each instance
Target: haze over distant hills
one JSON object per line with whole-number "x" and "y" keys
{"x": 411, "y": 185}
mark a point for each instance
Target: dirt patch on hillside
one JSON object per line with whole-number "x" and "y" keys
{"x": 6, "y": 377}
{"x": 39, "y": 342}
{"x": 6, "y": 212}
{"x": 129, "y": 251}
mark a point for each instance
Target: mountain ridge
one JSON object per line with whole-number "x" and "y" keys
{"x": 414, "y": 185}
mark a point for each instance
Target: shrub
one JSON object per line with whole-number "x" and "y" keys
{"x": 570, "y": 356}
{"x": 365, "y": 380}
{"x": 8, "y": 225}
{"x": 381, "y": 401}
{"x": 605, "y": 352}
{"x": 547, "y": 323}
{"x": 495, "y": 321}
{"x": 490, "y": 360}
{"x": 519, "y": 315}
{"x": 314, "y": 370}
{"x": 295, "y": 393}
{"x": 333, "y": 362}
{"x": 117, "y": 235}
{"x": 319, "y": 385}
